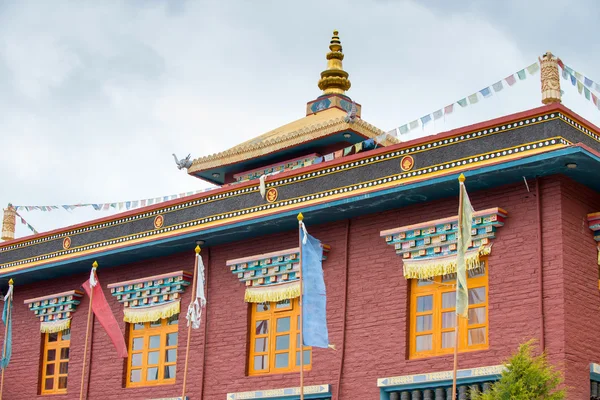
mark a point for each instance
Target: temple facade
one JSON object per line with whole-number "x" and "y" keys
{"x": 386, "y": 213}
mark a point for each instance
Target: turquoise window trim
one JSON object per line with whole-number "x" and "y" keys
{"x": 595, "y": 372}
{"x": 435, "y": 380}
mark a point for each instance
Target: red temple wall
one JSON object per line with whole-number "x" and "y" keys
{"x": 376, "y": 312}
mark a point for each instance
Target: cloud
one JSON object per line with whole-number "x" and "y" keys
{"x": 97, "y": 95}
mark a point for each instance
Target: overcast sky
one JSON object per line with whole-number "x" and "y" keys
{"x": 95, "y": 96}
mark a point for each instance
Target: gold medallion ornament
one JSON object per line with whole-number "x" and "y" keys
{"x": 159, "y": 221}
{"x": 407, "y": 163}
{"x": 271, "y": 195}
{"x": 67, "y": 243}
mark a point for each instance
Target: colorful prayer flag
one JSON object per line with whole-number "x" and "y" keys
{"x": 329, "y": 157}
{"x": 533, "y": 68}
{"x": 449, "y": 109}
{"x": 588, "y": 82}
{"x": 104, "y": 314}
{"x": 338, "y": 154}
{"x": 573, "y": 80}
{"x": 403, "y": 129}
{"x": 473, "y": 98}
{"x": 347, "y": 150}
{"x": 579, "y": 87}
{"x": 462, "y": 102}
{"x": 586, "y": 92}
{"x": 194, "y": 313}
{"x": 7, "y": 320}
{"x": 414, "y": 124}
{"x": 425, "y": 120}
{"x": 498, "y": 86}
{"x": 510, "y": 80}
{"x": 358, "y": 147}
{"x": 521, "y": 74}
{"x": 369, "y": 143}
{"x": 565, "y": 74}
{"x": 314, "y": 299}
{"x": 486, "y": 92}
{"x": 578, "y": 76}
{"x": 597, "y": 87}
{"x": 594, "y": 99}
{"x": 438, "y": 114}
{"x": 465, "y": 213}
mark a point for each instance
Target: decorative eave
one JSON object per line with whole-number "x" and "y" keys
{"x": 151, "y": 298}
{"x": 283, "y": 138}
{"x": 594, "y": 221}
{"x": 277, "y": 271}
{"x": 54, "y": 310}
{"x": 429, "y": 248}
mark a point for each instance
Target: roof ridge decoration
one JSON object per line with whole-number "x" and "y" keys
{"x": 258, "y": 147}
{"x": 334, "y": 79}
{"x": 151, "y": 298}
{"x": 55, "y": 310}
{"x": 270, "y": 276}
{"x": 594, "y": 221}
{"x": 429, "y": 249}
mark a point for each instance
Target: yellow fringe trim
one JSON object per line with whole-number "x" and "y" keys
{"x": 55, "y": 326}
{"x": 272, "y": 292}
{"x": 444, "y": 265}
{"x": 151, "y": 313}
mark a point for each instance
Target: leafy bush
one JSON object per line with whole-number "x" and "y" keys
{"x": 526, "y": 378}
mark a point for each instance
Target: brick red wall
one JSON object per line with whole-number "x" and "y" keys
{"x": 376, "y": 326}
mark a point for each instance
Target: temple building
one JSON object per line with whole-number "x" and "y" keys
{"x": 386, "y": 211}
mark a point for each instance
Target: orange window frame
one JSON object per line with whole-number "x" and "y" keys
{"x": 55, "y": 362}
{"x": 271, "y": 326}
{"x": 162, "y": 356}
{"x": 439, "y": 321}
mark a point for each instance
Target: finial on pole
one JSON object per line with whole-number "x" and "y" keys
{"x": 197, "y": 249}
{"x": 550, "y": 79}
{"x": 95, "y": 264}
{"x": 300, "y": 217}
{"x": 334, "y": 79}
{"x": 8, "y": 223}
{"x": 461, "y": 178}
{"x": 10, "y": 282}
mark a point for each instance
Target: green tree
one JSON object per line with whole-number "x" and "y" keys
{"x": 526, "y": 377}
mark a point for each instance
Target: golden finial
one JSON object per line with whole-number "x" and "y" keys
{"x": 550, "y": 79}
{"x": 461, "y": 178}
{"x": 334, "y": 79}
{"x": 10, "y": 282}
{"x": 300, "y": 217}
{"x": 197, "y": 249}
{"x": 95, "y": 264}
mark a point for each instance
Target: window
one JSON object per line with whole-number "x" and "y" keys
{"x": 275, "y": 338}
{"x": 55, "y": 363}
{"x": 152, "y": 352}
{"x": 433, "y": 317}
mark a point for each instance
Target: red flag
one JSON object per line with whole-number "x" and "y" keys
{"x": 511, "y": 80}
{"x": 105, "y": 316}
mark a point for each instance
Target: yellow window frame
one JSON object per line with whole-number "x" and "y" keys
{"x": 269, "y": 316}
{"x": 436, "y": 289}
{"x": 162, "y": 328}
{"x": 58, "y": 364}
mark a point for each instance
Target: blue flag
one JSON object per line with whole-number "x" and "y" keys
{"x": 7, "y": 322}
{"x": 314, "y": 300}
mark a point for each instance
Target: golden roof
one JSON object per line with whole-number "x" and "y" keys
{"x": 304, "y": 130}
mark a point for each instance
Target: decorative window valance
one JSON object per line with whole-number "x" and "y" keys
{"x": 429, "y": 249}
{"x": 594, "y": 220}
{"x": 54, "y": 311}
{"x": 151, "y": 298}
{"x": 270, "y": 276}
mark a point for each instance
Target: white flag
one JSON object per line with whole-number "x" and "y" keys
{"x": 194, "y": 312}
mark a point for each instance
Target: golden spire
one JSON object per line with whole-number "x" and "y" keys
{"x": 334, "y": 79}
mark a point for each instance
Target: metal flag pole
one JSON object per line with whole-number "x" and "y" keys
{"x": 189, "y": 335}
{"x": 10, "y": 299}
{"x": 461, "y": 179}
{"x": 87, "y": 332}
{"x": 300, "y": 218}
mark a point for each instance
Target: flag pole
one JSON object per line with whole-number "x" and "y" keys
{"x": 300, "y": 218}
{"x": 189, "y": 335}
{"x": 461, "y": 179}
{"x": 10, "y": 298}
{"x": 87, "y": 333}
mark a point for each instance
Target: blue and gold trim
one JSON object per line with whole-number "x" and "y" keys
{"x": 321, "y": 392}
{"x": 55, "y": 310}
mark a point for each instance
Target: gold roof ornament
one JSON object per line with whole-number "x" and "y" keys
{"x": 550, "y": 79}
{"x": 334, "y": 79}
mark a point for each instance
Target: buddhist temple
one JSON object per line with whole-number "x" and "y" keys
{"x": 385, "y": 210}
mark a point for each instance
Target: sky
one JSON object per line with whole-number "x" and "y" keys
{"x": 96, "y": 96}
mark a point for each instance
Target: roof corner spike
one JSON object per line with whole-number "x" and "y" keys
{"x": 334, "y": 79}
{"x": 8, "y": 222}
{"x": 550, "y": 79}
